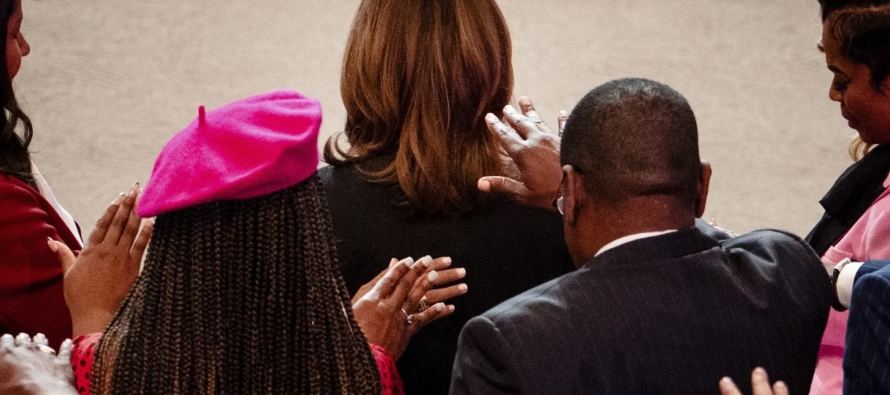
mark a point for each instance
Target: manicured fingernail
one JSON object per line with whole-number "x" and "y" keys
{"x": 409, "y": 262}
{"x": 52, "y": 246}
{"x": 509, "y": 109}
{"x": 726, "y": 383}
{"x": 118, "y": 199}
{"x": 491, "y": 118}
{"x": 463, "y": 288}
{"x": 451, "y": 307}
{"x": 433, "y": 276}
{"x": 563, "y": 113}
{"x": 461, "y": 272}
{"x": 446, "y": 260}
{"x": 426, "y": 261}
{"x": 440, "y": 307}
{"x": 133, "y": 190}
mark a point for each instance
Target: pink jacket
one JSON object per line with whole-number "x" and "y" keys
{"x": 866, "y": 240}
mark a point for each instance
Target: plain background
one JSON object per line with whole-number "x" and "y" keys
{"x": 108, "y": 82}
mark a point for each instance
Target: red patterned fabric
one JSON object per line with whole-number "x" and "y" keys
{"x": 390, "y": 381}
{"x": 31, "y": 299}
{"x": 85, "y": 347}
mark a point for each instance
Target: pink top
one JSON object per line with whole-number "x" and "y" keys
{"x": 866, "y": 240}
{"x": 85, "y": 347}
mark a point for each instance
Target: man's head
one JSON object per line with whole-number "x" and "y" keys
{"x": 630, "y": 157}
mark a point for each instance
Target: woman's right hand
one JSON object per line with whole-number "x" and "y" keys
{"x": 97, "y": 281}
{"x": 386, "y": 312}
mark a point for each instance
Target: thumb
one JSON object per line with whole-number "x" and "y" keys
{"x": 63, "y": 253}
{"x": 503, "y": 185}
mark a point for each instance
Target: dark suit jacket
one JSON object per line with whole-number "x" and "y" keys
{"x": 670, "y": 314}
{"x": 867, "y": 351}
{"x": 506, "y": 250}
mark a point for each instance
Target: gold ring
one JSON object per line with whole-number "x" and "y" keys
{"x": 423, "y": 305}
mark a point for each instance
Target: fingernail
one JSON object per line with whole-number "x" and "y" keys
{"x": 52, "y": 246}
{"x": 760, "y": 373}
{"x": 491, "y": 118}
{"x": 509, "y": 109}
{"x": 463, "y": 288}
{"x": 461, "y": 272}
{"x": 133, "y": 190}
{"x": 440, "y": 307}
{"x": 426, "y": 261}
{"x": 563, "y": 113}
{"x": 726, "y": 383}
{"x": 484, "y": 185}
{"x": 446, "y": 260}
{"x": 409, "y": 262}
{"x": 451, "y": 307}
{"x": 118, "y": 199}
{"x": 433, "y": 276}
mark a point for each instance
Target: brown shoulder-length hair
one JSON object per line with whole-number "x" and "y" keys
{"x": 418, "y": 78}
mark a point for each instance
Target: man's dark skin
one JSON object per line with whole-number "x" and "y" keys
{"x": 590, "y": 222}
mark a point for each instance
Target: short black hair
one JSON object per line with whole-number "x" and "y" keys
{"x": 634, "y": 137}
{"x": 829, "y": 6}
{"x": 863, "y": 34}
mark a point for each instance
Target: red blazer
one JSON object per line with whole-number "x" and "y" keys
{"x": 31, "y": 298}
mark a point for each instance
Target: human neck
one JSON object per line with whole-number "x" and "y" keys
{"x": 597, "y": 228}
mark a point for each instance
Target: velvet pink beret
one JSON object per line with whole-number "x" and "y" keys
{"x": 247, "y": 148}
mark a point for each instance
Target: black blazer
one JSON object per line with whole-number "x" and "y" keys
{"x": 506, "y": 250}
{"x": 670, "y": 314}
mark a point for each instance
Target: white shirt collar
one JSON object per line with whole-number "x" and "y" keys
{"x": 630, "y": 238}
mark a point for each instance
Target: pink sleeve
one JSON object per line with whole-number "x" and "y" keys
{"x": 390, "y": 381}
{"x": 82, "y": 360}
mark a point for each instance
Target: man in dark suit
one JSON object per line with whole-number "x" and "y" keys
{"x": 656, "y": 306}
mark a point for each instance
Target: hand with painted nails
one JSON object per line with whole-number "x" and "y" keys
{"x": 98, "y": 280}
{"x": 534, "y": 148}
{"x": 28, "y": 367}
{"x": 388, "y": 314}
{"x": 759, "y": 385}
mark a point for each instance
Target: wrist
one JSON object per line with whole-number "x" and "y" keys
{"x": 90, "y": 321}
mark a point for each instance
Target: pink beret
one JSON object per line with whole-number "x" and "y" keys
{"x": 247, "y": 148}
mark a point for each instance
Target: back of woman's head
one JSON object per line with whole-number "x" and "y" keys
{"x": 418, "y": 78}
{"x": 14, "y": 158}
{"x": 239, "y": 297}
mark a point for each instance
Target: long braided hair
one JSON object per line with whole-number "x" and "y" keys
{"x": 239, "y": 297}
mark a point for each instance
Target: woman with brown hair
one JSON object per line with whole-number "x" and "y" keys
{"x": 418, "y": 78}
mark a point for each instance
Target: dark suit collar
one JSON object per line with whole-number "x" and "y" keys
{"x": 672, "y": 245}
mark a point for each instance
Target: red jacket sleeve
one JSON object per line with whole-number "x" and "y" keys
{"x": 31, "y": 298}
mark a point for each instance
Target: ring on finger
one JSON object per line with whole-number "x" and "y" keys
{"x": 423, "y": 304}
{"x": 409, "y": 318}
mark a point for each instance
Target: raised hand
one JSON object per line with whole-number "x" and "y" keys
{"x": 534, "y": 149}
{"x": 387, "y": 312}
{"x": 98, "y": 280}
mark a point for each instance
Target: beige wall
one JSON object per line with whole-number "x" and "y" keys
{"x": 108, "y": 82}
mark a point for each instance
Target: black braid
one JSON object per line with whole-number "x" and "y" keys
{"x": 239, "y": 297}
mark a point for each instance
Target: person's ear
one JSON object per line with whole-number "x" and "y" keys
{"x": 704, "y": 182}
{"x": 573, "y": 195}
